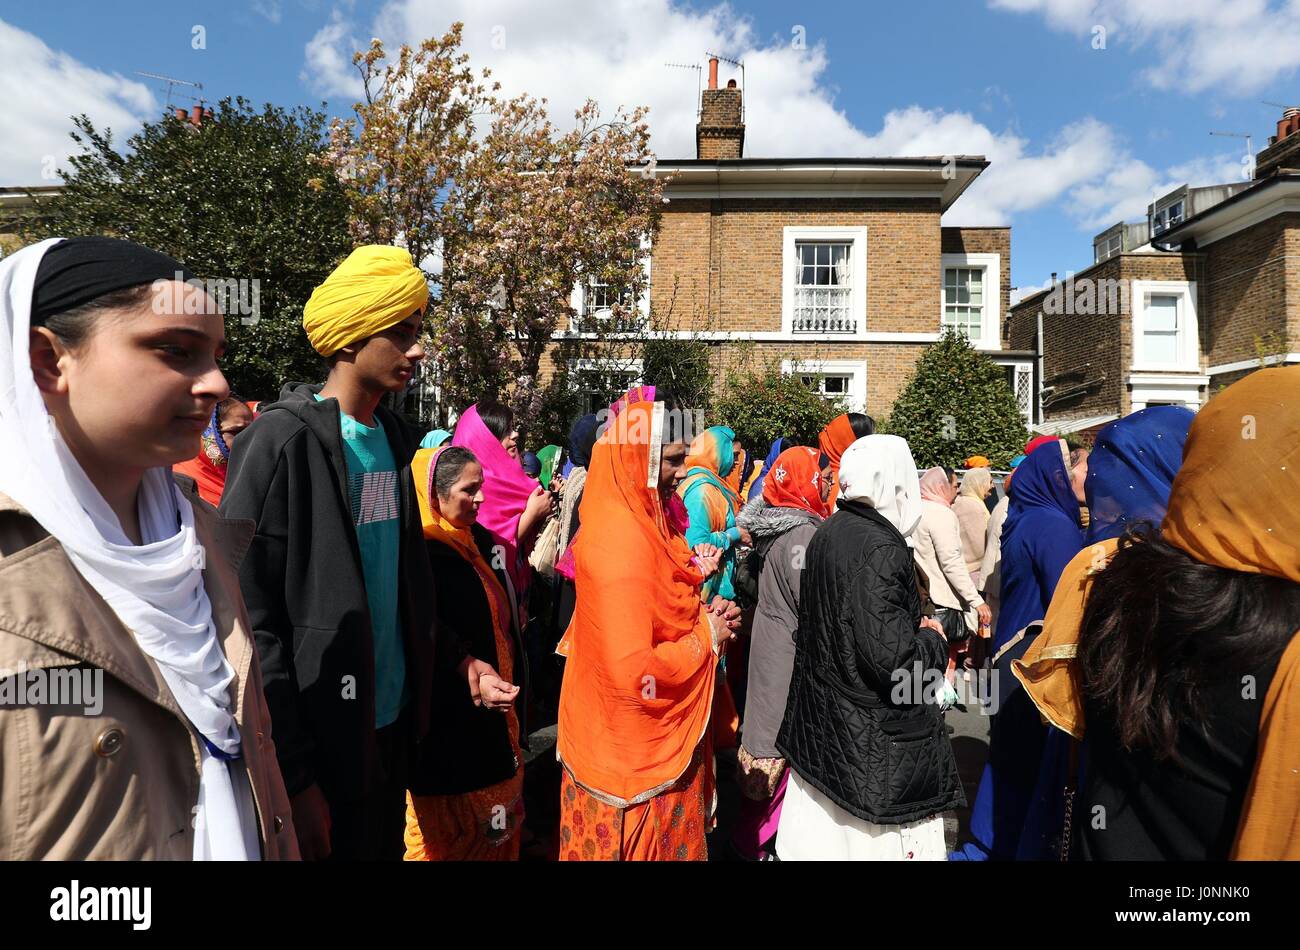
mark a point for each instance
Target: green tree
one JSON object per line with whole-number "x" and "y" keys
{"x": 958, "y": 404}
{"x": 240, "y": 197}
{"x": 761, "y": 403}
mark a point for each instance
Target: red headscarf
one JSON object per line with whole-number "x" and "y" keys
{"x": 834, "y": 440}
{"x": 795, "y": 481}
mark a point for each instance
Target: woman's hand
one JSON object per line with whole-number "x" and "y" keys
{"x": 486, "y": 687}
{"x": 985, "y": 614}
{"x": 727, "y": 610}
{"x": 746, "y": 538}
{"x": 535, "y": 512}
{"x": 708, "y": 557}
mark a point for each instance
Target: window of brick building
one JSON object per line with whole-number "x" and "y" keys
{"x": 971, "y": 298}
{"x": 600, "y": 382}
{"x": 1165, "y": 333}
{"x": 824, "y": 289}
{"x": 963, "y": 301}
{"x": 823, "y": 292}
{"x": 843, "y": 380}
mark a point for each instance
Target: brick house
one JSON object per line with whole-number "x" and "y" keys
{"x": 837, "y": 267}
{"x": 1176, "y": 307}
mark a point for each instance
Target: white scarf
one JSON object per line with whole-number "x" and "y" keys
{"x": 878, "y": 471}
{"x": 156, "y": 588}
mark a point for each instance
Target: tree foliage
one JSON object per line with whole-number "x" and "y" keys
{"x": 761, "y": 403}
{"x": 232, "y": 199}
{"x": 958, "y": 404}
{"x": 506, "y": 212}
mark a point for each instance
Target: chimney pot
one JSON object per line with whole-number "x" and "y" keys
{"x": 180, "y": 114}
{"x": 731, "y": 84}
{"x": 196, "y": 115}
{"x": 713, "y": 72}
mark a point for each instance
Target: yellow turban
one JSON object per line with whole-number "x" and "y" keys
{"x": 375, "y": 288}
{"x": 977, "y": 461}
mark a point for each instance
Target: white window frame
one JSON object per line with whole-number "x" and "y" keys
{"x": 608, "y": 365}
{"x": 856, "y": 370}
{"x": 1166, "y": 388}
{"x": 1189, "y": 356}
{"x": 857, "y": 236}
{"x": 578, "y": 296}
{"x": 991, "y": 325}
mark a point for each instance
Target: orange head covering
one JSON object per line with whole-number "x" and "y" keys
{"x": 1233, "y": 503}
{"x": 795, "y": 481}
{"x": 638, "y": 684}
{"x": 833, "y": 441}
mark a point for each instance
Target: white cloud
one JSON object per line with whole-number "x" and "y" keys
{"x": 37, "y": 125}
{"x": 1124, "y": 192}
{"x": 1237, "y": 46}
{"x": 270, "y": 9}
{"x": 615, "y": 51}
{"x": 327, "y": 60}
{"x": 1028, "y": 290}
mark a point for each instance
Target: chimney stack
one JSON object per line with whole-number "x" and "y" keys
{"x": 720, "y": 133}
{"x": 1283, "y": 150}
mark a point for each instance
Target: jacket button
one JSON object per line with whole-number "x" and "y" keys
{"x": 109, "y": 743}
{"x": 260, "y": 739}
{"x": 279, "y": 824}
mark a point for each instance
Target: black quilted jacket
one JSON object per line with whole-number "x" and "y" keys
{"x": 851, "y": 728}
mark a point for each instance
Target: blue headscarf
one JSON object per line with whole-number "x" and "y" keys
{"x": 531, "y": 464}
{"x": 582, "y": 437}
{"x": 1132, "y": 467}
{"x": 779, "y": 446}
{"x": 1042, "y": 533}
{"x": 435, "y": 438}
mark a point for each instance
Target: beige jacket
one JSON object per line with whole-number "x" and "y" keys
{"x": 121, "y": 784}
{"x": 939, "y": 554}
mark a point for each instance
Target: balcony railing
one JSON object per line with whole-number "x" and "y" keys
{"x": 824, "y": 310}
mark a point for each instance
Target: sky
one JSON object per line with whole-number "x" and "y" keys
{"x": 1086, "y": 109}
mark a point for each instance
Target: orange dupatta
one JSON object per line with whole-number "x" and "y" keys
{"x": 833, "y": 441}
{"x": 638, "y": 684}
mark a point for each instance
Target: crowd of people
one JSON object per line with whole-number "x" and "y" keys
{"x": 323, "y": 632}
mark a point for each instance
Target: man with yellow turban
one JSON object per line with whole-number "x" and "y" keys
{"x": 336, "y": 576}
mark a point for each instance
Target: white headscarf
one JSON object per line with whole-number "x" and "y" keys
{"x": 878, "y": 471}
{"x": 156, "y": 588}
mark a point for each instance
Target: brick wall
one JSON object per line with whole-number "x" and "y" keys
{"x": 718, "y": 264}
{"x": 1247, "y": 292}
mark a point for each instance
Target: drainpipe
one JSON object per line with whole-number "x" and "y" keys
{"x": 1038, "y": 409}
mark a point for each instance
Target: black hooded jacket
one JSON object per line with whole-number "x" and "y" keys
{"x": 861, "y": 724}
{"x": 305, "y": 590}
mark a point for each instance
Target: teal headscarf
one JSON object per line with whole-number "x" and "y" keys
{"x": 435, "y": 439}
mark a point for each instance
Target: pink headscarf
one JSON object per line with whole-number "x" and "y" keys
{"x": 506, "y": 489}
{"x": 937, "y": 486}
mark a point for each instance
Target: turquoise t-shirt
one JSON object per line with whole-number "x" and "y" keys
{"x": 375, "y": 493}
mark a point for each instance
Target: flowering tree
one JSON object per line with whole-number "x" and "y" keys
{"x": 506, "y": 213}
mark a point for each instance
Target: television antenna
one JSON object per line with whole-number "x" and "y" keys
{"x": 699, "y": 80}
{"x": 1238, "y": 135}
{"x": 171, "y": 84}
{"x": 1278, "y": 105}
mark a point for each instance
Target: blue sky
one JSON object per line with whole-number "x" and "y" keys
{"x": 1079, "y": 136}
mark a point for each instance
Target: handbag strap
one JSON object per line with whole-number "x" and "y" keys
{"x": 1071, "y": 789}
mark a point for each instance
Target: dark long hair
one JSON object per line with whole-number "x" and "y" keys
{"x": 1159, "y": 627}
{"x": 498, "y": 417}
